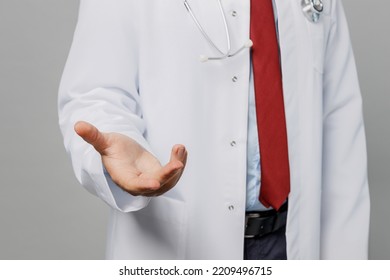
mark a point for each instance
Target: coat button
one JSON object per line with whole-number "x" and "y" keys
{"x": 231, "y": 207}
{"x": 234, "y": 13}
{"x": 234, "y": 79}
{"x": 233, "y": 143}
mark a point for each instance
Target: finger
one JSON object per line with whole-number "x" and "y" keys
{"x": 168, "y": 175}
{"x": 163, "y": 180}
{"x": 170, "y": 183}
{"x": 139, "y": 185}
{"x": 179, "y": 153}
{"x": 169, "y": 170}
{"x": 91, "y": 135}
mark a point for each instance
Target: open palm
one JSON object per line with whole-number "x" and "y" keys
{"x": 130, "y": 166}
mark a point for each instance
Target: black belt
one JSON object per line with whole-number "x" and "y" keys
{"x": 260, "y": 223}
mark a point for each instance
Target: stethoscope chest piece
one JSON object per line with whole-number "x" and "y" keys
{"x": 312, "y": 9}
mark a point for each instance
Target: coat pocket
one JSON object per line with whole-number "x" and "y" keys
{"x": 162, "y": 225}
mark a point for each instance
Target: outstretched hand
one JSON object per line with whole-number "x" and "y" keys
{"x": 130, "y": 166}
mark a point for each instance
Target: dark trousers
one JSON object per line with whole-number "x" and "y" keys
{"x": 268, "y": 247}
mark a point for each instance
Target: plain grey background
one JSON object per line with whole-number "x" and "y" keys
{"x": 44, "y": 213}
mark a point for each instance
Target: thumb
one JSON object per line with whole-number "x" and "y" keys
{"x": 91, "y": 135}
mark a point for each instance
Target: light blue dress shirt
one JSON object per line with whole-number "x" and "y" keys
{"x": 253, "y": 177}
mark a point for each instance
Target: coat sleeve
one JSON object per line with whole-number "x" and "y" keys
{"x": 99, "y": 85}
{"x": 345, "y": 198}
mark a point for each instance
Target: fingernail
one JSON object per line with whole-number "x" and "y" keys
{"x": 180, "y": 152}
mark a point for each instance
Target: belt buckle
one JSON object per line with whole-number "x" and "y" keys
{"x": 247, "y": 217}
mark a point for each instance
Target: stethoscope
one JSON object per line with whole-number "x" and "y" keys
{"x": 312, "y": 9}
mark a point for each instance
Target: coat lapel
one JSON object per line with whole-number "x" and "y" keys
{"x": 290, "y": 68}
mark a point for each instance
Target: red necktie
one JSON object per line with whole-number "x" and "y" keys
{"x": 271, "y": 121}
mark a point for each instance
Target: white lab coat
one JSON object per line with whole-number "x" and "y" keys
{"x": 134, "y": 68}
